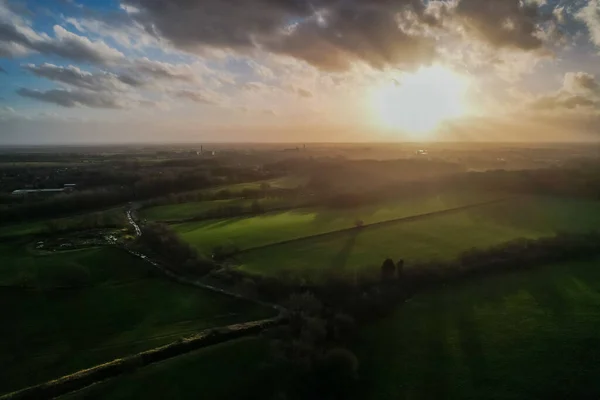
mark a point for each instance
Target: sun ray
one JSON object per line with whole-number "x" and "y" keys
{"x": 417, "y": 103}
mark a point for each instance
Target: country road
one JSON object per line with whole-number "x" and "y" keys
{"x": 181, "y": 279}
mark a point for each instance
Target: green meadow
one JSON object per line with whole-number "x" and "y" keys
{"x": 250, "y": 232}
{"x": 115, "y": 216}
{"x": 528, "y": 335}
{"x": 181, "y": 211}
{"x": 314, "y": 246}
{"x": 436, "y": 237}
{"x": 70, "y": 310}
{"x": 232, "y": 370}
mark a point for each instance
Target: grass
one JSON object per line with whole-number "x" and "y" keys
{"x": 250, "y": 232}
{"x": 120, "y": 306}
{"x": 227, "y": 371}
{"x": 195, "y": 209}
{"x": 434, "y": 237}
{"x": 527, "y": 335}
{"x": 41, "y": 226}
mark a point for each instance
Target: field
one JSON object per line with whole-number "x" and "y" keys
{"x": 115, "y": 216}
{"x": 530, "y": 334}
{"x": 75, "y": 309}
{"x": 437, "y": 236}
{"x": 526, "y": 335}
{"x": 181, "y": 211}
{"x": 206, "y": 373}
{"x": 250, "y": 232}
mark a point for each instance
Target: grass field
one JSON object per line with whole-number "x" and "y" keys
{"x": 41, "y": 226}
{"x": 433, "y": 237}
{"x": 195, "y": 209}
{"x": 119, "y": 305}
{"x": 527, "y": 335}
{"x": 230, "y": 370}
{"x": 250, "y": 232}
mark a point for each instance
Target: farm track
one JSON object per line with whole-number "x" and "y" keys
{"x": 184, "y": 280}
{"x": 378, "y": 224}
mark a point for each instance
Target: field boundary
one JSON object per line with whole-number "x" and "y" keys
{"x": 377, "y": 224}
{"x": 84, "y": 378}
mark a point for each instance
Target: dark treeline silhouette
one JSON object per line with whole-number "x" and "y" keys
{"x": 163, "y": 242}
{"x": 85, "y": 200}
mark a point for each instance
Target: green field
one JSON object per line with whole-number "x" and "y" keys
{"x": 527, "y": 335}
{"x": 115, "y": 305}
{"x": 250, "y": 232}
{"x": 233, "y": 370}
{"x": 433, "y": 237}
{"x": 41, "y": 226}
{"x": 195, "y": 209}
{"x": 533, "y": 334}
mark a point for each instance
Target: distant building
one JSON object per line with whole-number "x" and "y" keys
{"x": 39, "y": 192}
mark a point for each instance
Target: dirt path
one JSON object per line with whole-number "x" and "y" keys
{"x": 189, "y": 281}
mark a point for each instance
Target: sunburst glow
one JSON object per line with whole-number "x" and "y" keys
{"x": 418, "y": 103}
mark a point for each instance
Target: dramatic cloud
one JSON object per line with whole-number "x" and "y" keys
{"x": 76, "y": 98}
{"x": 580, "y": 82}
{"x": 78, "y": 48}
{"x": 332, "y": 35}
{"x": 580, "y": 90}
{"x": 163, "y": 70}
{"x": 74, "y": 76}
{"x": 17, "y": 38}
{"x": 590, "y": 16}
{"x": 328, "y": 34}
{"x": 502, "y": 23}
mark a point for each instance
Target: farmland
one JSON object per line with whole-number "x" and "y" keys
{"x": 197, "y": 209}
{"x": 532, "y": 334}
{"x": 502, "y": 337}
{"x": 441, "y": 236}
{"x": 74, "y": 309}
{"x": 113, "y": 217}
{"x": 249, "y": 232}
{"x": 208, "y": 371}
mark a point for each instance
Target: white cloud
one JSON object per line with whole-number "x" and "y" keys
{"x": 590, "y": 16}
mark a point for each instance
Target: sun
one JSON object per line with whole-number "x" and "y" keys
{"x": 417, "y": 103}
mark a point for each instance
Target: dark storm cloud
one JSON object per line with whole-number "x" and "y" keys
{"x": 77, "y": 98}
{"x": 502, "y": 23}
{"x": 328, "y": 34}
{"x": 331, "y": 34}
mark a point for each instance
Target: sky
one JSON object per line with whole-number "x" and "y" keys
{"x": 133, "y": 71}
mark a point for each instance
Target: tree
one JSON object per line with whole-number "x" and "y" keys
{"x": 264, "y": 187}
{"x": 388, "y": 269}
{"x": 400, "y": 268}
{"x": 256, "y": 207}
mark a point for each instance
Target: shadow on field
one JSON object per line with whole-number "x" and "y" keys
{"x": 341, "y": 258}
{"x": 471, "y": 347}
